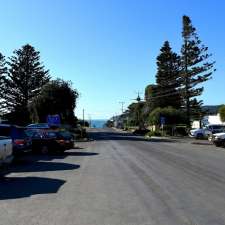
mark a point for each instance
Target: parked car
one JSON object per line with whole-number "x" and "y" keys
{"x": 67, "y": 137}
{"x": 6, "y": 152}
{"x": 218, "y": 139}
{"x": 207, "y": 131}
{"x": 20, "y": 141}
{"x": 47, "y": 141}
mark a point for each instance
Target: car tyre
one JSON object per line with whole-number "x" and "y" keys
{"x": 217, "y": 144}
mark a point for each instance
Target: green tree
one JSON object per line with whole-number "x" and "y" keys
{"x": 222, "y": 113}
{"x": 136, "y": 114}
{"x": 151, "y": 102}
{"x": 167, "y": 78}
{"x": 195, "y": 68}
{"x": 25, "y": 78}
{"x": 3, "y": 74}
{"x": 172, "y": 116}
{"x": 55, "y": 97}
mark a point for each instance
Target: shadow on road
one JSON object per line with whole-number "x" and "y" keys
{"x": 31, "y": 166}
{"x": 116, "y": 136}
{"x": 81, "y": 153}
{"x": 21, "y": 187}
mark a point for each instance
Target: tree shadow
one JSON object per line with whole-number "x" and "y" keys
{"x": 103, "y": 136}
{"x": 81, "y": 153}
{"x": 201, "y": 143}
{"x": 77, "y": 147}
{"x": 38, "y": 166}
{"x": 116, "y": 136}
{"x": 162, "y": 140}
{"x": 21, "y": 187}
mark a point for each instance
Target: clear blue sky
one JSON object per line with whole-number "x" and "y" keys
{"x": 107, "y": 48}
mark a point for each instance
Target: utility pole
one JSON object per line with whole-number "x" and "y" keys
{"x": 83, "y": 119}
{"x": 139, "y": 99}
{"x": 122, "y": 105}
{"x": 89, "y": 115}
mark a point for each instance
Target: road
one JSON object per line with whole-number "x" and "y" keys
{"x": 118, "y": 179}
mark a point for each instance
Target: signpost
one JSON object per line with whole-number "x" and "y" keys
{"x": 162, "y": 122}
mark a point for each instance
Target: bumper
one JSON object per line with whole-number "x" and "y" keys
{"x": 17, "y": 150}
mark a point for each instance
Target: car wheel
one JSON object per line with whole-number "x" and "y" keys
{"x": 223, "y": 144}
{"x": 217, "y": 144}
{"x": 44, "y": 150}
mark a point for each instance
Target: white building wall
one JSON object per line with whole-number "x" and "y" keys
{"x": 212, "y": 119}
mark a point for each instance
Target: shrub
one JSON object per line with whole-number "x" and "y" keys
{"x": 154, "y": 133}
{"x": 172, "y": 116}
{"x": 222, "y": 113}
{"x": 141, "y": 131}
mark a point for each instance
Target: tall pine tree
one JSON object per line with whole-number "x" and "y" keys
{"x": 167, "y": 78}
{"x": 25, "y": 78}
{"x": 3, "y": 74}
{"x": 150, "y": 102}
{"x": 195, "y": 67}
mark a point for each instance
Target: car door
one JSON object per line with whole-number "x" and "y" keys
{"x": 208, "y": 131}
{"x": 8, "y": 147}
{"x": 5, "y": 148}
{"x": 2, "y": 150}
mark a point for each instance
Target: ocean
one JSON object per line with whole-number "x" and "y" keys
{"x": 98, "y": 123}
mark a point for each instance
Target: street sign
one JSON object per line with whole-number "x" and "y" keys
{"x": 53, "y": 120}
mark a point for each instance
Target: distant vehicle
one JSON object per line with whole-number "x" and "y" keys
{"x": 45, "y": 142}
{"x": 207, "y": 131}
{"x": 219, "y": 139}
{"x": 21, "y": 142}
{"x": 38, "y": 126}
{"x": 6, "y": 152}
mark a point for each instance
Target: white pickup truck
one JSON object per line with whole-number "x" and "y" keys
{"x": 6, "y": 151}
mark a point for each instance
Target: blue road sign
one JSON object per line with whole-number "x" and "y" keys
{"x": 53, "y": 120}
{"x": 162, "y": 120}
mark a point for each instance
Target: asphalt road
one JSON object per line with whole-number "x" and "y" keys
{"x": 118, "y": 179}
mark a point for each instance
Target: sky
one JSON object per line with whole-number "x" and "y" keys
{"x": 108, "y": 48}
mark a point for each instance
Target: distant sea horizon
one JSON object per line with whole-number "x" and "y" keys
{"x": 98, "y": 123}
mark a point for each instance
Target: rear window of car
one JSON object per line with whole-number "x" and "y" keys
{"x": 19, "y": 133}
{"x": 51, "y": 134}
{"x": 65, "y": 134}
{"x": 216, "y": 127}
